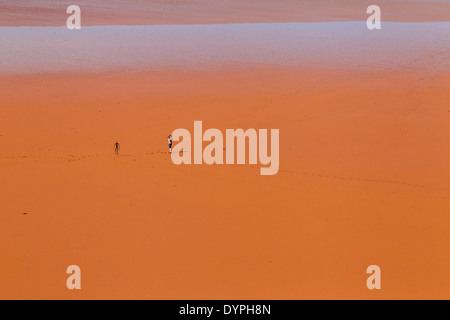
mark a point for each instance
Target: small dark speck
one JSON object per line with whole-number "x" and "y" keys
{"x": 25, "y": 213}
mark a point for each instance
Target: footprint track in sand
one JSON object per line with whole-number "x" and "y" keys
{"x": 134, "y": 157}
{"x": 370, "y": 180}
{"x": 72, "y": 158}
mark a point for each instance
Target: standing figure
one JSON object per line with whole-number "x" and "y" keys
{"x": 117, "y": 148}
{"x": 170, "y": 143}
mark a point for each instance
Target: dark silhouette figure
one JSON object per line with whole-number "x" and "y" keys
{"x": 116, "y": 148}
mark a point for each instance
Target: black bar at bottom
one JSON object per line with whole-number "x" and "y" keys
{"x": 225, "y": 309}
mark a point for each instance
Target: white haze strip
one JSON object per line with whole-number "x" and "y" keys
{"x": 330, "y": 45}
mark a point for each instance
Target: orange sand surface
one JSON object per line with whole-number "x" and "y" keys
{"x": 364, "y": 179}
{"x": 151, "y": 12}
